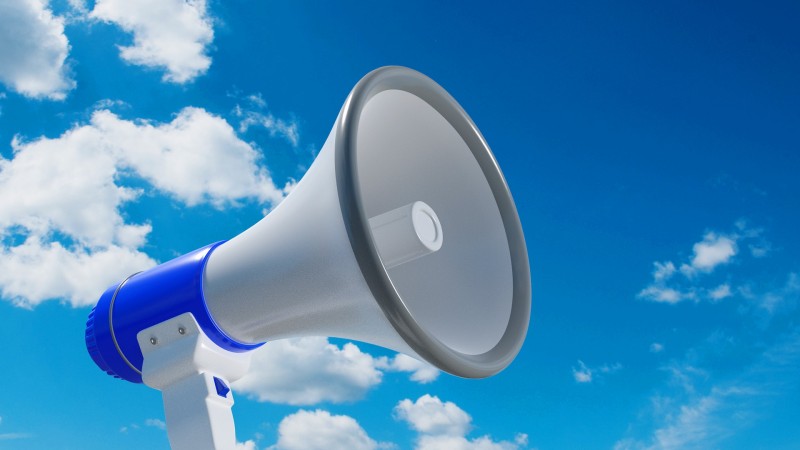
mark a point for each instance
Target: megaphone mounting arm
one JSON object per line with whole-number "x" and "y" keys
{"x": 193, "y": 375}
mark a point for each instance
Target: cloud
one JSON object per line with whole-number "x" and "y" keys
{"x": 246, "y": 445}
{"x": 168, "y": 34}
{"x": 585, "y": 374}
{"x": 310, "y": 370}
{"x": 34, "y": 51}
{"x": 156, "y": 423}
{"x": 656, "y": 347}
{"x": 36, "y": 271}
{"x": 276, "y": 127}
{"x": 320, "y": 430}
{"x": 704, "y": 413}
{"x": 782, "y": 298}
{"x": 663, "y": 294}
{"x": 444, "y": 426}
{"x": 196, "y": 158}
{"x": 65, "y": 237}
{"x": 720, "y": 292}
{"x": 421, "y": 372}
{"x": 582, "y": 374}
{"x": 12, "y": 436}
{"x": 663, "y": 271}
{"x": 429, "y": 415}
{"x": 713, "y": 251}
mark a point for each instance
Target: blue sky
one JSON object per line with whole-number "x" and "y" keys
{"x": 652, "y": 150}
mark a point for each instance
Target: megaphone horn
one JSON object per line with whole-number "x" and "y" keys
{"x": 403, "y": 233}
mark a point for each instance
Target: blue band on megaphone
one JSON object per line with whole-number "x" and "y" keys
{"x": 146, "y": 299}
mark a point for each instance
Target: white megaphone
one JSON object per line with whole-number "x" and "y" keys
{"x": 403, "y": 234}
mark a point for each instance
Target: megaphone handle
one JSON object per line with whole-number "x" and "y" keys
{"x": 193, "y": 375}
{"x": 198, "y": 414}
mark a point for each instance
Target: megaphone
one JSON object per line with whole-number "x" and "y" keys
{"x": 403, "y": 233}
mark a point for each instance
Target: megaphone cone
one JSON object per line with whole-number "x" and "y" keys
{"x": 402, "y": 233}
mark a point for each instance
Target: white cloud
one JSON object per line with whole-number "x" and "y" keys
{"x": 197, "y": 157}
{"x": 62, "y": 230}
{"x": 720, "y": 292}
{"x": 320, "y": 430}
{"x": 585, "y": 374}
{"x": 462, "y": 443}
{"x": 712, "y": 251}
{"x": 429, "y": 415}
{"x": 34, "y": 51}
{"x": 246, "y": 445}
{"x": 306, "y": 371}
{"x": 663, "y": 271}
{"x": 421, "y": 372}
{"x": 582, "y": 374}
{"x": 167, "y": 34}
{"x": 36, "y": 271}
{"x": 444, "y": 426}
{"x": 156, "y": 423}
{"x": 663, "y": 294}
{"x": 656, "y": 347}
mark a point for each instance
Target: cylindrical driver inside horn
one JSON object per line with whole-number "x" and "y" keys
{"x": 406, "y": 233}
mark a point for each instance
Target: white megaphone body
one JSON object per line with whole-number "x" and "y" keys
{"x": 402, "y": 233}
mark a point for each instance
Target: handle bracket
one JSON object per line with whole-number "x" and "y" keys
{"x": 194, "y": 376}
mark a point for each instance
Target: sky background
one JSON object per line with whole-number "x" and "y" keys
{"x": 652, "y": 149}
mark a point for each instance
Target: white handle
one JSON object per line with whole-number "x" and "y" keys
{"x": 198, "y": 417}
{"x": 193, "y": 376}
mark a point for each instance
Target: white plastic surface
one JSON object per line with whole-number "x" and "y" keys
{"x": 181, "y": 362}
{"x": 407, "y": 151}
{"x": 294, "y": 272}
{"x": 406, "y": 233}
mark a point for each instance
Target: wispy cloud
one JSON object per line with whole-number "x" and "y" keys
{"x": 255, "y": 115}
{"x": 147, "y": 423}
{"x": 781, "y": 298}
{"x": 703, "y": 414}
{"x": 656, "y": 347}
{"x": 586, "y": 374}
